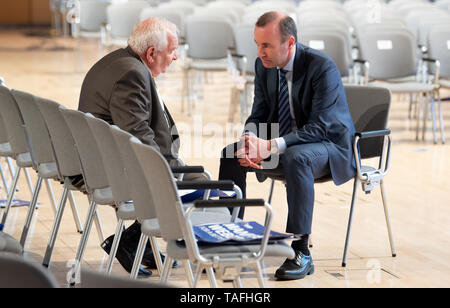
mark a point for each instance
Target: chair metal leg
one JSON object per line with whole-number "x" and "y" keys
{"x": 4, "y": 181}
{"x": 12, "y": 192}
{"x": 441, "y": 118}
{"x": 425, "y": 115}
{"x": 418, "y": 107}
{"x": 188, "y": 271}
{"x": 388, "y": 221}
{"x": 211, "y": 277}
{"x": 51, "y": 195}
{"x": 28, "y": 178}
{"x": 272, "y": 186}
{"x": 139, "y": 255}
{"x": 31, "y": 210}
{"x": 98, "y": 226}
{"x": 350, "y": 220}
{"x": 198, "y": 273}
{"x": 83, "y": 242}
{"x": 166, "y": 270}
{"x": 114, "y": 246}
{"x": 12, "y": 171}
{"x": 433, "y": 119}
{"x": 55, "y": 227}
{"x": 76, "y": 215}
{"x": 259, "y": 275}
{"x": 237, "y": 283}
{"x": 156, "y": 253}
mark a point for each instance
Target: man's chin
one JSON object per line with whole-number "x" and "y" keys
{"x": 267, "y": 64}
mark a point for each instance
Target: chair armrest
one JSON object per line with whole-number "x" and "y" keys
{"x": 366, "y": 65}
{"x": 188, "y": 169}
{"x": 385, "y": 153}
{"x": 437, "y": 65}
{"x": 201, "y": 204}
{"x": 371, "y": 134}
{"x": 223, "y": 185}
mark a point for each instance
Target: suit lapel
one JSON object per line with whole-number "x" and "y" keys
{"x": 298, "y": 77}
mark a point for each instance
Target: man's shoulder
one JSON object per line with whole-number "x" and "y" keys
{"x": 314, "y": 57}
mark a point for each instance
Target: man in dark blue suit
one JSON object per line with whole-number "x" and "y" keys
{"x": 300, "y": 90}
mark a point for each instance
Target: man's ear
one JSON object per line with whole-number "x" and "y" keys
{"x": 149, "y": 54}
{"x": 291, "y": 40}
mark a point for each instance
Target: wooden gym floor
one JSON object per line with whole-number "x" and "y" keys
{"x": 417, "y": 185}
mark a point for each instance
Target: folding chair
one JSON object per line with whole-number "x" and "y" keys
{"x": 176, "y": 223}
{"x": 439, "y": 51}
{"x": 68, "y": 164}
{"x": 16, "y": 147}
{"x": 369, "y": 107}
{"x": 42, "y": 152}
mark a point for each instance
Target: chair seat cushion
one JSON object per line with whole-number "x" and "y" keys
{"x": 279, "y": 249}
{"x": 48, "y": 170}
{"x": 209, "y": 65}
{"x": 126, "y": 212}
{"x": 445, "y": 83}
{"x": 24, "y": 160}
{"x": 9, "y": 244}
{"x": 404, "y": 87}
{"x": 6, "y": 150}
{"x": 104, "y": 196}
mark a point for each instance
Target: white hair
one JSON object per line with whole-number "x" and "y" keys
{"x": 151, "y": 32}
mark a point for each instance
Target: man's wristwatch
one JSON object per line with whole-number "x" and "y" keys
{"x": 273, "y": 147}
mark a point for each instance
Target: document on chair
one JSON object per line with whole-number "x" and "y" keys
{"x": 190, "y": 195}
{"x": 243, "y": 233}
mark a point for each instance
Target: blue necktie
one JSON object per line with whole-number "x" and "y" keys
{"x": 284, "y": 109}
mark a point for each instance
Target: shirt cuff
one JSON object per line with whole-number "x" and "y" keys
{"x": 281, "y": 143}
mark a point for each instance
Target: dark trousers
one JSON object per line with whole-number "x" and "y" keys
{"x": 300, "y": 165}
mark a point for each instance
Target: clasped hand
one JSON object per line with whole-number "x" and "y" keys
{"x": 253, "y": 151}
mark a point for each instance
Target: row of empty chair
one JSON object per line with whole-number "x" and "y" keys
{"x": 117, "y": 169}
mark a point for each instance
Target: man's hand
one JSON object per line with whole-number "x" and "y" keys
{"x": 254, "y": 150}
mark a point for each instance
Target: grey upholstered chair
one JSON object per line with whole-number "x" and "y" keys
{"x": 42, "y": 152}
{"x": 176, "y": 223}
{"x": 16, "y": 147}
{"x": 18, "y": 272}
{"x": 68, "y": 165}
{"x": 369, "y": 108}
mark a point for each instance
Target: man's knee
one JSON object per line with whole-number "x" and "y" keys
{"x": 293, "y": 157}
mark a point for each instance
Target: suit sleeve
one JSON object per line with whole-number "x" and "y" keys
{"x": 326, "y": 88}
{"x": 131, "y": 107}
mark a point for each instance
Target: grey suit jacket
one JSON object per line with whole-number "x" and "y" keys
{"x": 121, "y": 90}
{"x": 320, "y": 106}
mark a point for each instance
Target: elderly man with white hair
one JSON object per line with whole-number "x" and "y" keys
{"x": 120, "y": 89}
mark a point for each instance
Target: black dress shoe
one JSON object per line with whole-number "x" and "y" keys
{"x": 125, "y": 257}
{"x": 148, "y": 260}
{"x": 297, "y": 268}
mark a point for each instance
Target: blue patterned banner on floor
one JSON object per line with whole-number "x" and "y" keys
{"x": 15, "y": 203}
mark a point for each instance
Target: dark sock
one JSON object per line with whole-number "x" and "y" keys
{"x": 302, "y": 245}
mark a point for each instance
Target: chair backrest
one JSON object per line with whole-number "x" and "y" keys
{"x": 245, "y": 44}
{"x": 13, "y": 122}
{"x": 369, "y": 108}
{"x": 167, "y": 203}
{"x": 92, "y": 14}
{"x": 124, "y": 16}
{"x": 41, "y": 147}
{"x": 333, "y": 43}
{"x": 208, "y": 37}
{"x": 86, "y": 145}
{"x": 390, "y": 52}
{"x": 171, "y": 14}
{"x": 61, "y": 137}
{"x": 17, "y": 272}
{"x": 142, "y": 198}
{"x": 112, "y": 161}
{"x": 93, "y": 279}
{"x": 439, "y": 48}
